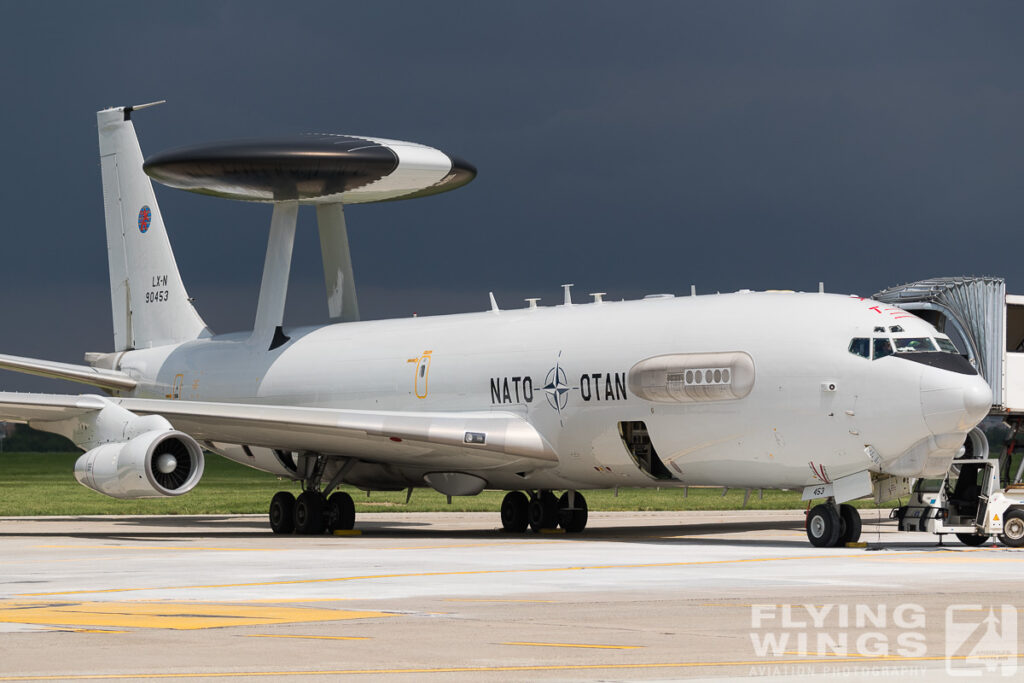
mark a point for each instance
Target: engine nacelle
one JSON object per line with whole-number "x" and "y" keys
{"x": 976, "y": 445}
{"x": 154, "y": 464}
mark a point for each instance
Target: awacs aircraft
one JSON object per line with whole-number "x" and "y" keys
{"x": 837, "y": 396}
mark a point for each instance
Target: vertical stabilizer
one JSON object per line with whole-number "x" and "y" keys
{"x": 149, "y": 302}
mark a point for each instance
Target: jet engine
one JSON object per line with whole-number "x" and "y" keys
{"x": 153, "y": 464}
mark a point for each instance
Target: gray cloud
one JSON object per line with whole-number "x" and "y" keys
{"x": 629, "y": 148}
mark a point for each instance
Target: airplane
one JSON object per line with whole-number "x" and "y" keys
{"x": 837, "y": 396}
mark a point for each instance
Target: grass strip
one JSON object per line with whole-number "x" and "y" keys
{"x": 44, "y": 484}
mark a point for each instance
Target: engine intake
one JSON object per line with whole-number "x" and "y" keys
{"x": 152, "y": 465}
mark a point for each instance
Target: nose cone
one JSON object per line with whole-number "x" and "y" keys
{"x": 951, "y": 402}
{"x": 977, "y": 400}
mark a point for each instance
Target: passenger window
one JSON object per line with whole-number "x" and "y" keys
{"x": 860, "y": 346}
{"x": 883, "y": 348}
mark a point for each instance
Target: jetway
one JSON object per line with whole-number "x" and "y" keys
{"x": 987, "y": 324}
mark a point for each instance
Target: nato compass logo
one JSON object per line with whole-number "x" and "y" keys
{"x": 556, "y": 387}
{"x": 145, "y": 218}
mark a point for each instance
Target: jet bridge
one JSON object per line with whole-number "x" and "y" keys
{"x": 987, "y": 324}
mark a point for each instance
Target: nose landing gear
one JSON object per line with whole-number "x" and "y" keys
{"x": 830, "y": 526}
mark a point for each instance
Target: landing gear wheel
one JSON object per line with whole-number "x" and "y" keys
{"x": 309, "y": 513}
{"x": 543, "y": 511}
{"x": 851, "y": 525}
{"x": 572, "y": 520}
{"x": 1013, "y": 529}
{"x": 972, "y": 539}
{"x": 823, "y": 526}
{"x": 515, "y": 512}
{"x": 282, "y": 513}
{"x": 340, "y": 512}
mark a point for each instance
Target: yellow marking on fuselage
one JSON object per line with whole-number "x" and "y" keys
{"x": 170, "y": 615}
{"x": 490, "y": 669}
{"x": 595, "y": 647}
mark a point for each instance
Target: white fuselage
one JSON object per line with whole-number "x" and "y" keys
{"x": 814, "y": 411}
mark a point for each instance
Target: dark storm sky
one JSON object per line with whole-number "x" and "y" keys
{"x": 626, "y": 147}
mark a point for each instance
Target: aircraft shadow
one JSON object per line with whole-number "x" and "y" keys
{"x": 168, "y": 528}
{"x": 155, "y": 529}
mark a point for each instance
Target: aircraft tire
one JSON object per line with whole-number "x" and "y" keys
{"x": 543, "y": 511}
{"x": 309, "y": 513}
{"x": 282, "y": 513}
{"x": 1013, "y": 529}
{"x": 515, "y": 512}
{"x": 340, "y": 512}
{"x": 823, "y": 526}
{"x": 851, "y": 525}
{"x": 572, "y": 520}
{"x": 972, "y": 540}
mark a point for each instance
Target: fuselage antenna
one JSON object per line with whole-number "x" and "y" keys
{"x": 494, "y": 303}
{"x": 568, "y": 295}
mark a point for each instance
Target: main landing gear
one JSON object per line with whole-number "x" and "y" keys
{"x": 314, "y": 511}
{"x": 830, "y": 525}
{"x": 311, "y": 512}
{"x": 542, "y": 510}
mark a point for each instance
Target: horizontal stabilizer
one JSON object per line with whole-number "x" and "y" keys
{"x": 97, "y": 377}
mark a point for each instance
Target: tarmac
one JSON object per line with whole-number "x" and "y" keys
{"x": 448, "y": 596}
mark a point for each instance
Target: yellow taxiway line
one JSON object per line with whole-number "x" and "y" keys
{"x": 169, "y": 615}
{"x": 483, "y": 669}
{"x": 272, "y": 635}
{"x": 483, "y": 572}
{"x": 584, "y": 645}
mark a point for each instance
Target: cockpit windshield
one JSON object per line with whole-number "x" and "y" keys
{"x": 880, "y": 347}
{"x": 913, "y": 344}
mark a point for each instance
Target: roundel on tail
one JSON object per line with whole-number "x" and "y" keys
{"x": 145, "y": 218}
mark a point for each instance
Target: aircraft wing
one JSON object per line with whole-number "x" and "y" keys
{"x": 435, "y": 439}
{"x": 98, "y": 377}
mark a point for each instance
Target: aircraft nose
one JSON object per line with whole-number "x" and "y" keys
{"x": 952, "y": 402}
{"x": 978, "y": 399}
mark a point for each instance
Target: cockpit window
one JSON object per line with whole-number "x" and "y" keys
{"x": 946, "y": 345}
{"x": 914, "y": 344}
{"x": 883, "y": 348}
{"x": 860, "y": 346}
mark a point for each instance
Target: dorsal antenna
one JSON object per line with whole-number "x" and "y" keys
{"x": 494, "y": 303}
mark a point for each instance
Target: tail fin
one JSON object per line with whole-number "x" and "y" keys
{"x": 148, "y": 298}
